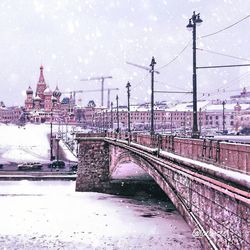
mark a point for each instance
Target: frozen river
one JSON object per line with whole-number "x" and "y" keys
{"x": 51, "y": 215}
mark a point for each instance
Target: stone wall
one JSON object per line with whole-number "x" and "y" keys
{"x": 223, "y": 215}
{"x": 93, "y": 165}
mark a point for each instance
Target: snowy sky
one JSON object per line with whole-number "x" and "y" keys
{"x": 76, "y": 39}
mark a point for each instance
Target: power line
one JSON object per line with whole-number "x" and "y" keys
{"x": 222, "y": 88}
{"x": 218, "y": 92}
{"x": 169, "y": 85}
{"x": 223, "y": 66}
{"x": 172, "y": 60}
{"x": 222, "y": 54}
{"x": 228, "y": 27}
{"x": 141, "y": 81}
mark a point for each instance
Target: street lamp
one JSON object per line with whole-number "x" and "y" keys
{"x": 117, "y": 113}
{"x": 111, "y": 116}
{"x": 53, "y": 100}
{"x": 153, "y": 62}
{"x": 128, "y": 87}
{"x": 193, "y": 21}
{"x": 223, "y": 117}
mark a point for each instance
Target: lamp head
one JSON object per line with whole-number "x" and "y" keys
{"x": 190, "y": 25}
{"x": 198, "y": 20}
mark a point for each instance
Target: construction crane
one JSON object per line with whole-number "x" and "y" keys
{"x": 142, "y": 67}
{"x": 102, "y": 78}
{"x": 74, "y": 92}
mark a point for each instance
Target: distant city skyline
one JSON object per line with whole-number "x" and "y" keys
{"x": 79, "y": 39}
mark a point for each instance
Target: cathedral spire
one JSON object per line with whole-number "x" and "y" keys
{"x": 41, "y": 77}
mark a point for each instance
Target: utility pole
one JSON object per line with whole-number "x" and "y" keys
{"x": 111, "y": 116}
{"x": 152, "y": 95}
{"x": 128, "y": 91}
{"x": 200, "y": 114}
{"x": 171, "y": 122}
{"x": 184, "y": 123}
{"x": 223, "y": 116}
{"x": 152, "y": 71}
{"x": 117, "y": 113}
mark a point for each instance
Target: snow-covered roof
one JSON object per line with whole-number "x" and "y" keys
{"x": 188, "y": 106}
{"x": 228, "y": 107}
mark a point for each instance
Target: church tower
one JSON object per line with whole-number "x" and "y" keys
{"x": 41, "y": 86}
{"x": 29, "y": 99}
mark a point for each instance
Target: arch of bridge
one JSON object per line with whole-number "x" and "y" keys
{"x": 120, "y": 156}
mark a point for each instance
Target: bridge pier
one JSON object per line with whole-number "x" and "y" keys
{"x": 93, "y": 173}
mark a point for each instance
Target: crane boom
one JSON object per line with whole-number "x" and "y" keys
{"x": 88, "y": 90}
{"x": 142, "y": 67}
{"x": 96, "y": 78}
{"x": 102, "y": 78}
{"x": 73, "y": 92}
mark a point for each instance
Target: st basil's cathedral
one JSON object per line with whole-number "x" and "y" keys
{"x": 45, "y": 105}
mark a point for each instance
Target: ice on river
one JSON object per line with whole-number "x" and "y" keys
{"x": 50, "y": 215}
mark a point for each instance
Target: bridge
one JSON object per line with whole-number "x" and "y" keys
{"x": 208, "y": 181}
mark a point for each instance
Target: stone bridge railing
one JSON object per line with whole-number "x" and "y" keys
{"x": 228, "y": 155}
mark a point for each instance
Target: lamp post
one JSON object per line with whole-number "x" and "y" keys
{"x": 117, "y": 113}
{"x": 128, "y": 91}
{"x": 111, "y": 116}
{"x": 223, "y": 116}
{"x": 171, "y": 122}
{"x": 152, "y": 95}
{"x": 200, "y": 115}
{"x": 193, "y": 21}
{"x": 53, "y": 101}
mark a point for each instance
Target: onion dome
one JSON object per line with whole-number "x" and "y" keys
{"x": 54, "y": 99}
{"x": 37, "y": 99}
{"x": 57, "y": 92}
{"x": 48, "y": 91}
{"x": 29, "y": 91}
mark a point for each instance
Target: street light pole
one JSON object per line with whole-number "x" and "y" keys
{"x": 223, "y": 116}
{"x": 51, "y": 139}
{"x": 111, "y": 115}
{"x": 200, "y": 114}
{"x": 128, "y": 87}
{"x": 152, "y": 95}
{"x": 53, "y": 101}
{"x": 117, "y": 113}
{"x": 193, "y": 21}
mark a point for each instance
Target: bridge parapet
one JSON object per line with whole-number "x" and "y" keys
{"x": 234, "y": 156}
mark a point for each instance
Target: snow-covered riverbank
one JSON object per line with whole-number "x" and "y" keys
{"x": 27, "y": 143}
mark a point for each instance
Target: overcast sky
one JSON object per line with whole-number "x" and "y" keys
{"x": 75, "y": 39}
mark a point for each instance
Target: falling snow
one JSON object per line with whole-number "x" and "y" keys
{"x": 89, "y": 38}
